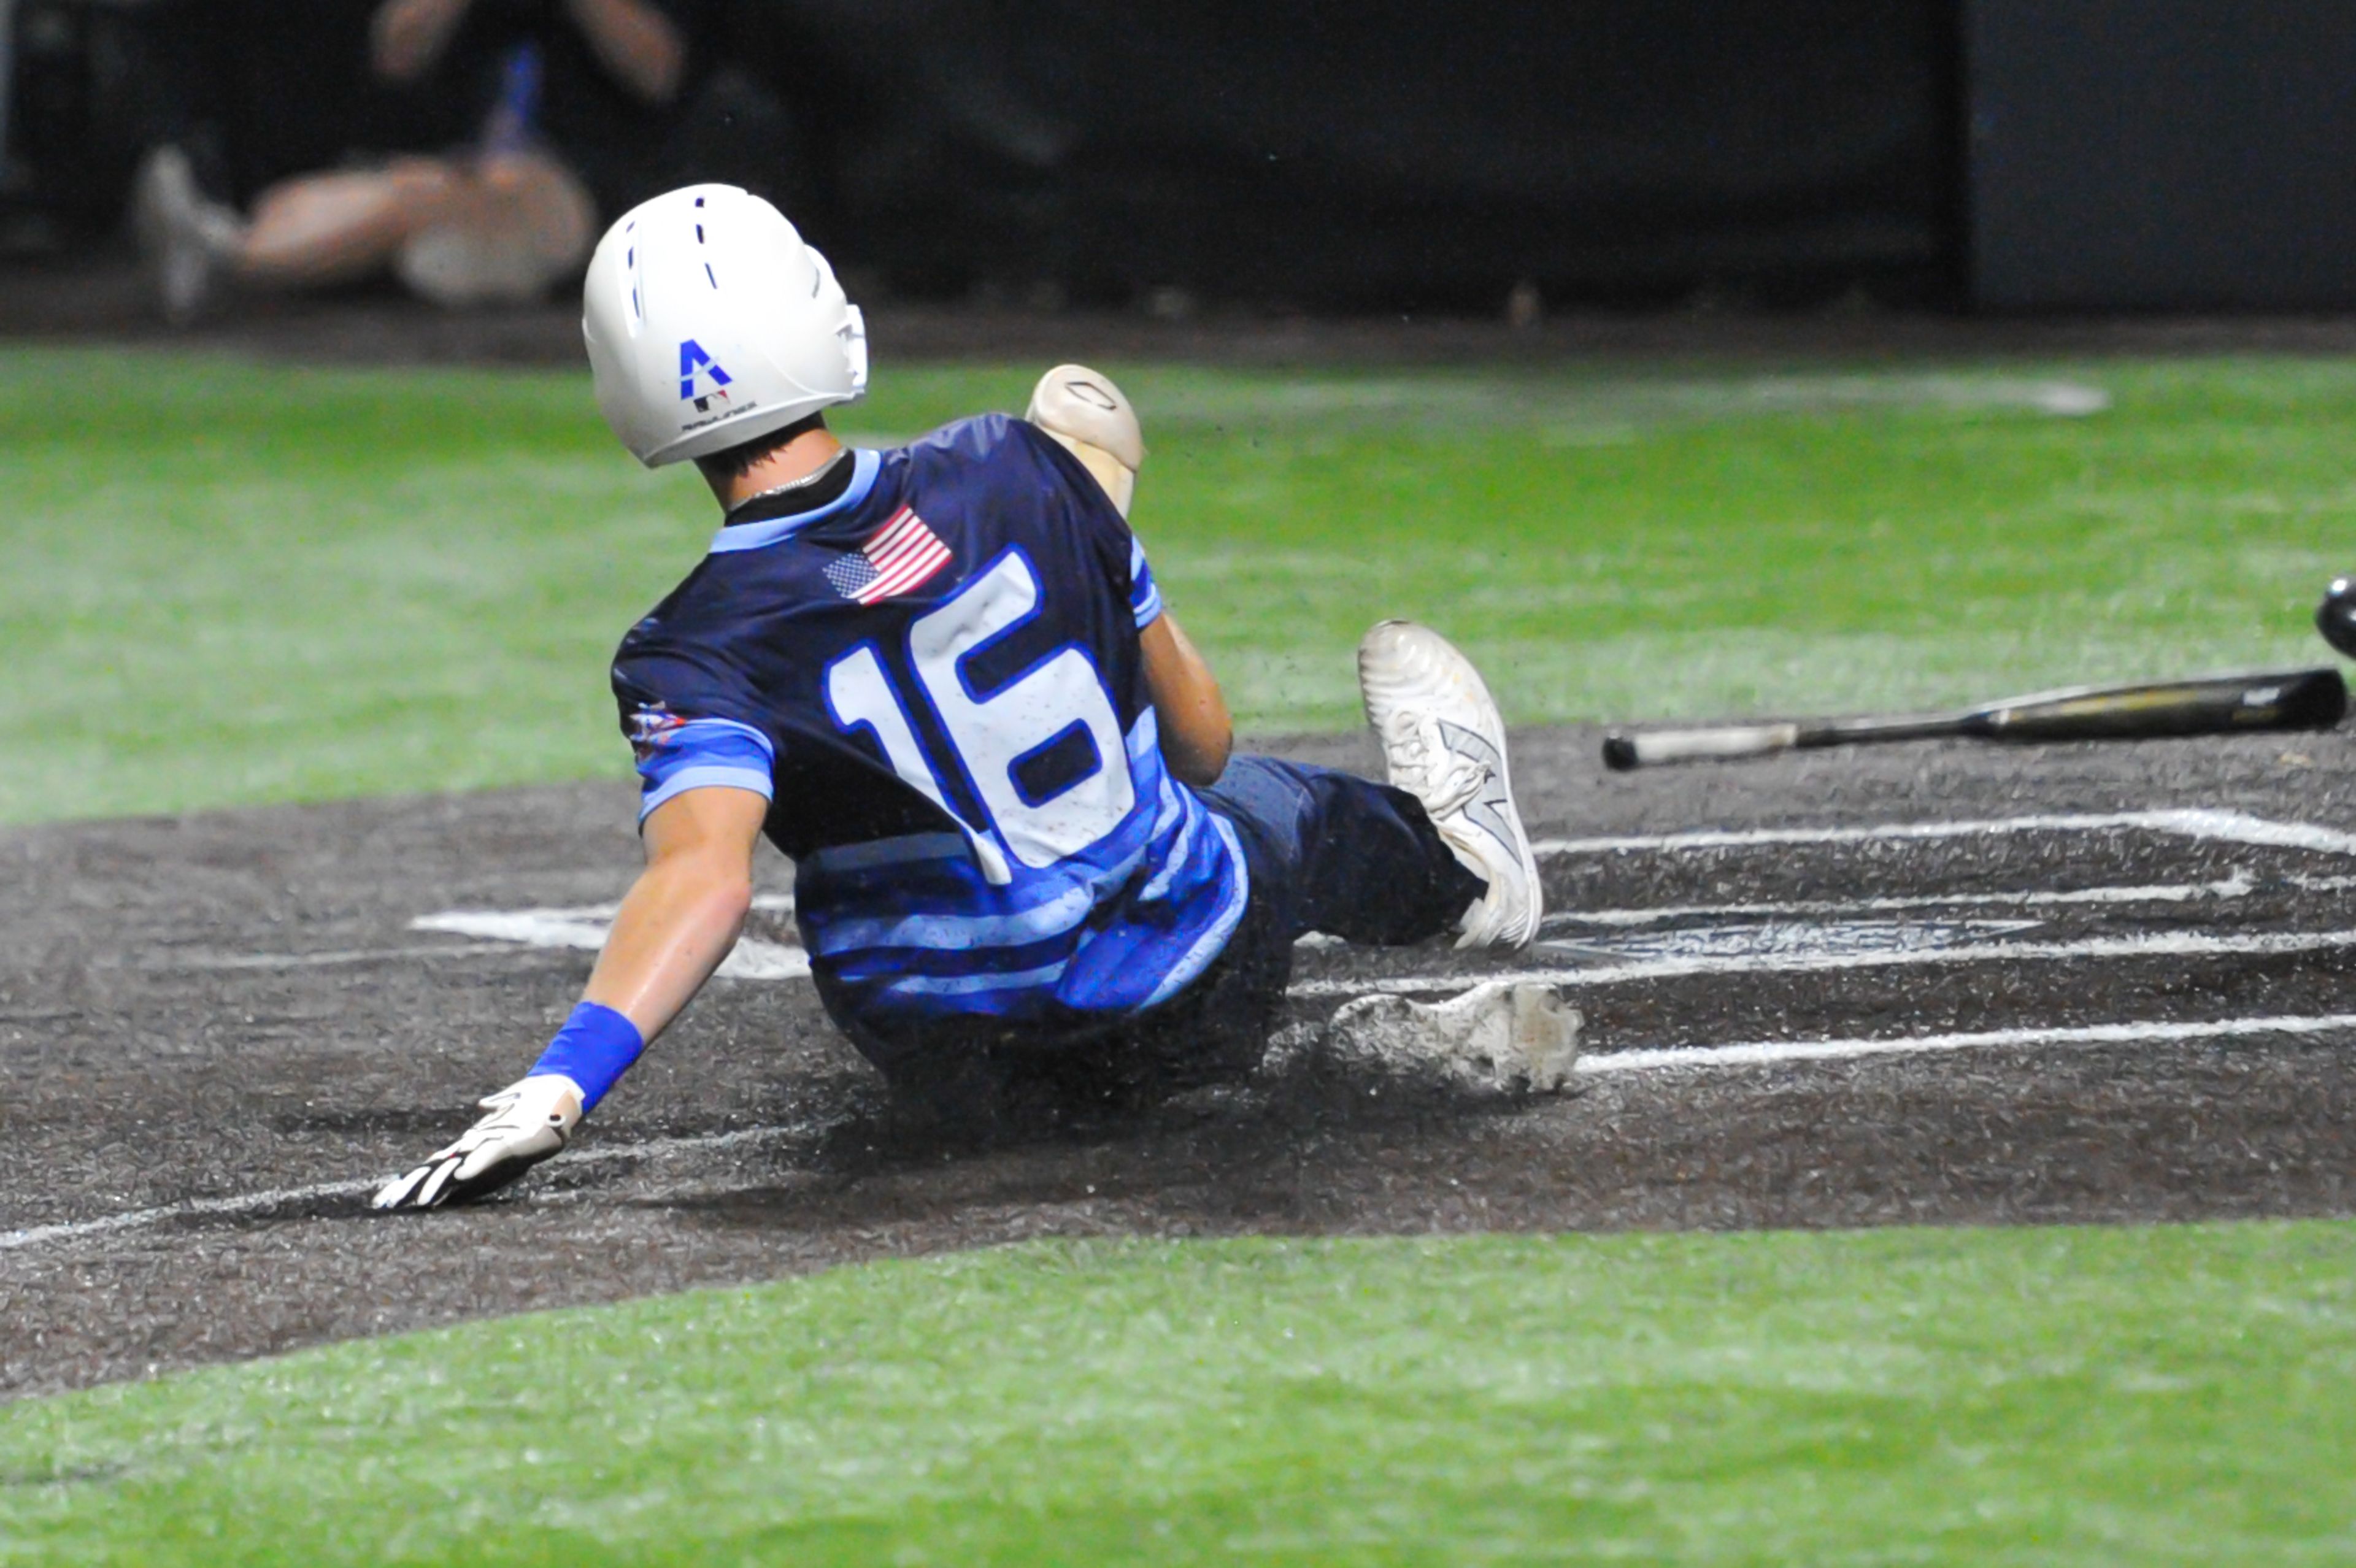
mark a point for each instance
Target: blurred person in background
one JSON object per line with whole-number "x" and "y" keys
{"x": 559, "y": 108}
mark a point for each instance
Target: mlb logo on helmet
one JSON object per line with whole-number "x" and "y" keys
{"x": 692, "y": 361}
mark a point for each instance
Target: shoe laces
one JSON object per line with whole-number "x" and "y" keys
{"x": 1424, "y": 763}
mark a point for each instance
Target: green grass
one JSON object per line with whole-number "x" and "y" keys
{"x": 224, "y": 583}
{"x": 2153, "y": 1395}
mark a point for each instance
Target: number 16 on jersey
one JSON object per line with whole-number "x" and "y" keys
{"x": 1059, "y": 702}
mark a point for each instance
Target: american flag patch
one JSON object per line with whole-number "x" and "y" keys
{"x": 901, "y": 555}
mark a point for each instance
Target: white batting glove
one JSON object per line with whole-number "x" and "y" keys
{"x": 530, "y": 1120}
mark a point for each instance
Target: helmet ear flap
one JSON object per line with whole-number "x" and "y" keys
{"x": 853, "y": 330}
{"x": 854, "y": 347}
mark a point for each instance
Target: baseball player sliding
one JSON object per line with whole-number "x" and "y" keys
{"x": 941, "y": 678}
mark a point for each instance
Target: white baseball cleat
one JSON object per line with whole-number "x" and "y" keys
{"x": 1444, "y": 743}
{"x": 530, "y": 1120}
{"x": 1510, "y": 1037}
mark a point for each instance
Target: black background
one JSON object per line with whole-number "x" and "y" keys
{"x": 1381, "y": 156}
{"x": 1388, "y": 155}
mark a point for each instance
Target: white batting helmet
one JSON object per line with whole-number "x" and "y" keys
{"x": 710, "y": 322}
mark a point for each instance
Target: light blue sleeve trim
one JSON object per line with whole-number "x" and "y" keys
{"x": 703, "y": 753}
{"x": 718, "y": 777}
{"x": 691, "y": 742}
{"x": 864, "y": 466}
{"x": 759, "y": 737}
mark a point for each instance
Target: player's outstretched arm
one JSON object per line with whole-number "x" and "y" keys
{"x": 683, "y": 915}
{"x": 1188, "y": 707}
{"x": 680, "y": 921}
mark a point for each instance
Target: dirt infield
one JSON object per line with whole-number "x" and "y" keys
{"x": 1938, "y": 984}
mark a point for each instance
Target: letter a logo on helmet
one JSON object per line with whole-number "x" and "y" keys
{"x": 691, "y": 358}
{"x": 701, "y": 278}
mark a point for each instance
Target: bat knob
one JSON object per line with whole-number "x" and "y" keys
{"x": 2336, "y": 616}
{"x": 1619, "y": 753}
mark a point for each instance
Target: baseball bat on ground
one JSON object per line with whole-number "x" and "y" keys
{"x": 2211, "y": 705}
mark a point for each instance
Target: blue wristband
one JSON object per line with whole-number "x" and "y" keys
{"x": 593, "y": 1049}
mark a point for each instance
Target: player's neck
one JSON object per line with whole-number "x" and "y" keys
{"x": 797, "y": 460}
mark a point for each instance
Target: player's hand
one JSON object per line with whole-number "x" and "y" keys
{"x": 530, "y": 1120}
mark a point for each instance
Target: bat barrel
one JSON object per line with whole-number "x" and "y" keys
{"x": 2214, "y": 705}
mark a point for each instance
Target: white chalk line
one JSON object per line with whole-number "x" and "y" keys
{"x": 213, "y": 961}
{"x": 253, "y": 1202}
{"x": 2161, "y": 944}
{"x": 2190, "y": 822}
{"x": 1760, "y": 1053}
{"x": 752, "y": 960}
{"x": 1746, "y": 938}
{"x": 510, "y": 932}
{"x": 2237, "y": 886}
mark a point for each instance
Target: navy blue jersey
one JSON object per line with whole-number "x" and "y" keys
{"x": 935, "y": 679}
